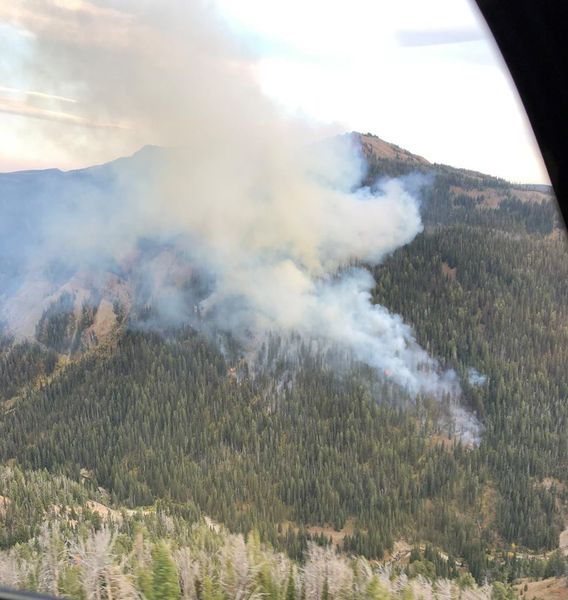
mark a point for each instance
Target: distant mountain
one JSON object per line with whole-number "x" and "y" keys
{"x": 42, "y": 213}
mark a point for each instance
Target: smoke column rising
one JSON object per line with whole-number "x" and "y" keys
{"x": 276, "y": 220}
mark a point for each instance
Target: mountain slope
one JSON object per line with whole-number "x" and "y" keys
{"x": 375, "y": 149}
{"x": 167, "y": 415}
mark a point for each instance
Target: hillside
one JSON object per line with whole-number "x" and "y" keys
{"x": 85, "y": 549}
{"x": 466, "y": 189}
{"x": 376, "y": 149}
{"x": 289, "y": 441}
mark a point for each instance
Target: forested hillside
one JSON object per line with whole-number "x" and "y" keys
{"x": 83, "y": 549}
{"x": 304, "y": 451}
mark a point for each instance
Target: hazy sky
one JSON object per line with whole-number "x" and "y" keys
{"x": 424, "y": 75}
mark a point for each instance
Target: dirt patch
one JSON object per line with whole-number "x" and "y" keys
{"x": 105, "y": 320}
{"x": 448, "y": 272}
{"x": 104, "y": 511}
{"x": 400, "y": 553}
{"x": 374, "y": 147}
{"x": 336, "y": 536}
{"x": 491, "y": 198}
{"x": 446, "y": 442}
{"x": 329, "y": 532}
{"x": 488, "y": 197}
{"x": 556, "y": 234}
{"x": 563, "y": 543}
{"x": 554, "y": 588}
{"x": 533, "y": 196}
{"x": 548, "y": 482}
{"x": 4, "y": 502}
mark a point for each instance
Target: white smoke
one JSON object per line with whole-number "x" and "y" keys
{"x": 474, "y": 377}
{"x": 277, "y": 221}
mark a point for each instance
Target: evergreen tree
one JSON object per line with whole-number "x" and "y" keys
{"x": 165, "y": 583}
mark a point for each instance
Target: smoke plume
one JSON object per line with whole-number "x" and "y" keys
{"x": 276, "y": 224}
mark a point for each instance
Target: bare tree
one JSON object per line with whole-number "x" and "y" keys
{"x": 101, "y": 578}
{"x": 52, "y": 554}
{"x": 188, "y": 571}
{"x": 15, "y": 571}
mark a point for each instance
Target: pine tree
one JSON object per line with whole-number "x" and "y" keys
{"x": 165, "y": 579}
{"x": 291, "y": 587}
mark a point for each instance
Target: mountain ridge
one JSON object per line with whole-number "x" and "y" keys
{"x": 54, "y": 191}
{"x": 158, "y": 413}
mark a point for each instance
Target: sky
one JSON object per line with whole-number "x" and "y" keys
{"x": 424, "y": 75}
